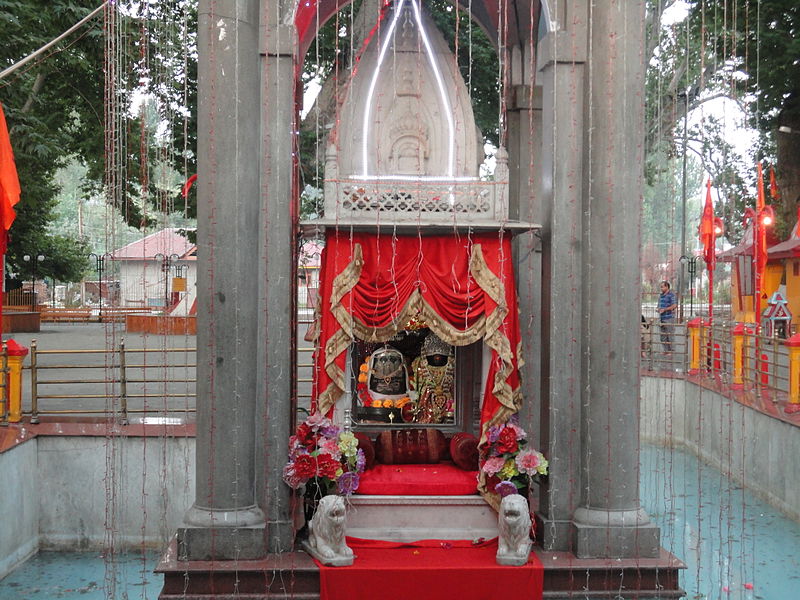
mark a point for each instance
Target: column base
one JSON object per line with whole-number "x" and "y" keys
{"x": 615, "y": 534}
{"x": 554, "y": 535}
{"x": 213, "y": 534}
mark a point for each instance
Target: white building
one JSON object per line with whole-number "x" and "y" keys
{"x": 159, "y": 271}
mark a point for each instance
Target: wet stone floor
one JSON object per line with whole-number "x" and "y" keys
{"x": 84, "y": 575}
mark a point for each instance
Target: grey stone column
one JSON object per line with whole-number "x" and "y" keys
{"x": 524, "y": 145}
{"x": 225, "y": 521}
{"x": 561, "y": 58}
{"x": 610, "y": 521}
{"x": 277, "y": 274}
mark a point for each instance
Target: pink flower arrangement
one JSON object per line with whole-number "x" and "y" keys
{"x": 322, "y": 455}
{"x": 506, "y": 460}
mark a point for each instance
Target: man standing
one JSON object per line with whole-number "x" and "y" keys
{"x": 666, "y": 306}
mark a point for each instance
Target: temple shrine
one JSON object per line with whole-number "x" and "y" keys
{"x": 435, "y": 283}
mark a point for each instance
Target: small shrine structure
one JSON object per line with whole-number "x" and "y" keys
{"x": 564, "y": 294}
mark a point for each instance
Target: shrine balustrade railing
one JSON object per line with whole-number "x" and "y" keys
{"x": 400, "y": 201}
{"x": 729, "y": 353}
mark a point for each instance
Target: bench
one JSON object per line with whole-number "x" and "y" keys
{"x": 65, "y": 315}
{"x": 117, "y": 314}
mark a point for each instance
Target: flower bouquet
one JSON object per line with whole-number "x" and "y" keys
{"x": 323, "y": 459}
{"x": 509, "y": 465}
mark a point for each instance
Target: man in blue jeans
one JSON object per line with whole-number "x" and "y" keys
{"x": 666, "y": 307}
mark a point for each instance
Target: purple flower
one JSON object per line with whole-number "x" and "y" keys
{"x": 361, "y": 461}
{"x": 348, "y": 483}
{"x": 493, "y": 434}
{"x": 330, "y": 431}
{"x": 505, "y": 488}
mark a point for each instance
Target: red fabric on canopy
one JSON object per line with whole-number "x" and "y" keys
{"x": 461, "y": 285}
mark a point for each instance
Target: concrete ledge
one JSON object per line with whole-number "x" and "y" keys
{"x": 221, "y": 543}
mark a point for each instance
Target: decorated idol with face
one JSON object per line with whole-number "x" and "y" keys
{"x": 387, "y": 374}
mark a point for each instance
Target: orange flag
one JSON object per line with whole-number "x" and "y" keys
{"x": 708, "y": 233}
{"x": 9, "y": 182}
{"x": 773, "y": 185}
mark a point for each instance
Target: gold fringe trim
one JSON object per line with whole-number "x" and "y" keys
{"x": 487, "y": 327}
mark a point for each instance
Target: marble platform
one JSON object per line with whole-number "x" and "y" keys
{"x": 410, "y": 518}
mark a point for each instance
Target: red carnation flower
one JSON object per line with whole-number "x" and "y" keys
{"x": 327, "y": 466}
{"x": 507, "y": 441}
{"x": 305, "y": 466}
{"x": 306, "y": 436}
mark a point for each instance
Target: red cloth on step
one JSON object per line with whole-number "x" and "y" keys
{"x": 429, "y": 570}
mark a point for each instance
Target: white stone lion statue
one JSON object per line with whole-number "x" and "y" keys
{"x": 514, "y": 523}
{"x": 326, "y": 533}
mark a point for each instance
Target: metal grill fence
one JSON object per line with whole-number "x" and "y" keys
{"x": 121, "y": 382}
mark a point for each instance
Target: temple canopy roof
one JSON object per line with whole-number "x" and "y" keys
{"x": 521, "y": 18}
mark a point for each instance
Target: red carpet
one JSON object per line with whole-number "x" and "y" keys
{"x": 443, "y": 479}
{"x": 429, "y": 570}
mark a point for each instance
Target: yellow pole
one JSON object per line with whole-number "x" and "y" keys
{"x": 738, "y": 355}
{"x": 793, "y": 343}
{"x": 694, "y": 344}
{"x": 15, "y": 356}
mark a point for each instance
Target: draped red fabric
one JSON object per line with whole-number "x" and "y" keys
{"x": 392, "y": 270}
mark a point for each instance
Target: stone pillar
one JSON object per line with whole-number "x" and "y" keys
{"x": 276, "y": 273}
{"x": 225, "y": 521}
{"x": 524, "y": 145}
{"x": 561, "y": 64}
{"x": 610, "y": 522}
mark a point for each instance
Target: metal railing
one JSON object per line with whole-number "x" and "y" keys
{"x": 119, "y": 382}
{"x": 124, "y": 376}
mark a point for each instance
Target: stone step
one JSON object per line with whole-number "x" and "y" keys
{"x": 411, "y": 518}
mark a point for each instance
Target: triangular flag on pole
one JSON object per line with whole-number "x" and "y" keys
{"x": 9, "y": 196}
{"x": 708, "y": 233}
{"x": 774, "y": 192}
{"x": 9, "y": 182}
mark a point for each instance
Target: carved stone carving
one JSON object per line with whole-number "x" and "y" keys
{"x": 514, "y": 523}
{"x": 326, "y": 533}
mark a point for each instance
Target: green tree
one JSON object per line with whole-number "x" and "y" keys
{"x": 62, "y": 106}
{"x": 749, "y": 53}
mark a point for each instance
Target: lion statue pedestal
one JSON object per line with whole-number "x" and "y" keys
{"x": 514, "y": 523}
{"x": 326, "y": 533}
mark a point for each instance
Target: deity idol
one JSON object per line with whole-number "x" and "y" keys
{"x": 433, "y": 378}
{"x": 387, "y": 377}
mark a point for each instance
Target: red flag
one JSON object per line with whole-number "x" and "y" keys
{"x": 188, "y": 185}
{"x": 773, "y": 185}
{"x": 708, "y": 231}
{"x": 9, "y": 182}
{"x": 761, "y": 229}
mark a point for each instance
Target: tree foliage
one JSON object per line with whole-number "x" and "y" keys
{"x": 58, "y": 111}
{"x": 749, "y": 53}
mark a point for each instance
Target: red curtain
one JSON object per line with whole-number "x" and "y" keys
{"x": 461, "y": 285}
